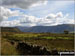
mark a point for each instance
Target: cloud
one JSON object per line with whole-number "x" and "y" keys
{"x": 59, "y": 18}
{"x": 27, "y": 20}
{"x": 5, "y": 13}
{"x": 43, "y": 2}
{"x": 53, "y": 16}
{"x": 54, "y": 7}
{"x": 10, "y": 23}
{"x": 24, "y": 4}
{"x": 60, "y": 14}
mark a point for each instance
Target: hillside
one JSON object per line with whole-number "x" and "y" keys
{"x": 9, "y": 29}
{"x": 51, "y": 29}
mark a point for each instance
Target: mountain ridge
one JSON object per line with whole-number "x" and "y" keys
{"x": 51, "y": 29}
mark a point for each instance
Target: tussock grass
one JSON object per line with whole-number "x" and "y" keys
{"x": 51, "y": 41}
{"x": 7, "y": 48}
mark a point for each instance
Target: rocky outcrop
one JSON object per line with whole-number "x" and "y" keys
{"x": 25, "y": 49}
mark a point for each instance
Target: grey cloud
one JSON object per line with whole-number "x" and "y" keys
{"x": 20, "y": 3}
{"x": 5, "y": 13}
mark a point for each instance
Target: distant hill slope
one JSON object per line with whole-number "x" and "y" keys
{"x": 22, "y": 28}
{"x": 51, "y": 29}
{"x": 9, "y": 29}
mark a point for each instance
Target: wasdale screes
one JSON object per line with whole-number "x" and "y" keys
{"x": 37, "y": 27}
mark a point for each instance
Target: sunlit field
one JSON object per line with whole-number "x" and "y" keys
{"x": 51, "y": 41}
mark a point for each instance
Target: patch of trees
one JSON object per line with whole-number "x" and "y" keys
{"x": 66, "y": 32}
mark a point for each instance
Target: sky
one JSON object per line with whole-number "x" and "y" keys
{"x": 36, "y": 12}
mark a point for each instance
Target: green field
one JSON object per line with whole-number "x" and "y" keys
{"x": 39, "y": 36}
{"x": 65, "y": 38}
{"x": 61, "y": 42}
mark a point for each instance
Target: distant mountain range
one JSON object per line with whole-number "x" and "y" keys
{"x": 49, "y": 29}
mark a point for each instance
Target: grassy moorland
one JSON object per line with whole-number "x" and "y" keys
{"x": 7, "y": 48}
{"x": 61, "y": 42}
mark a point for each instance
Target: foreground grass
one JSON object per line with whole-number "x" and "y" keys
{"x": 50, "y": 44}
{"x": 60, "y": 42}
{"x": 7, "y": 48}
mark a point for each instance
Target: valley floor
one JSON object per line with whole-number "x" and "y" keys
{"x": 10, "y": 42}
